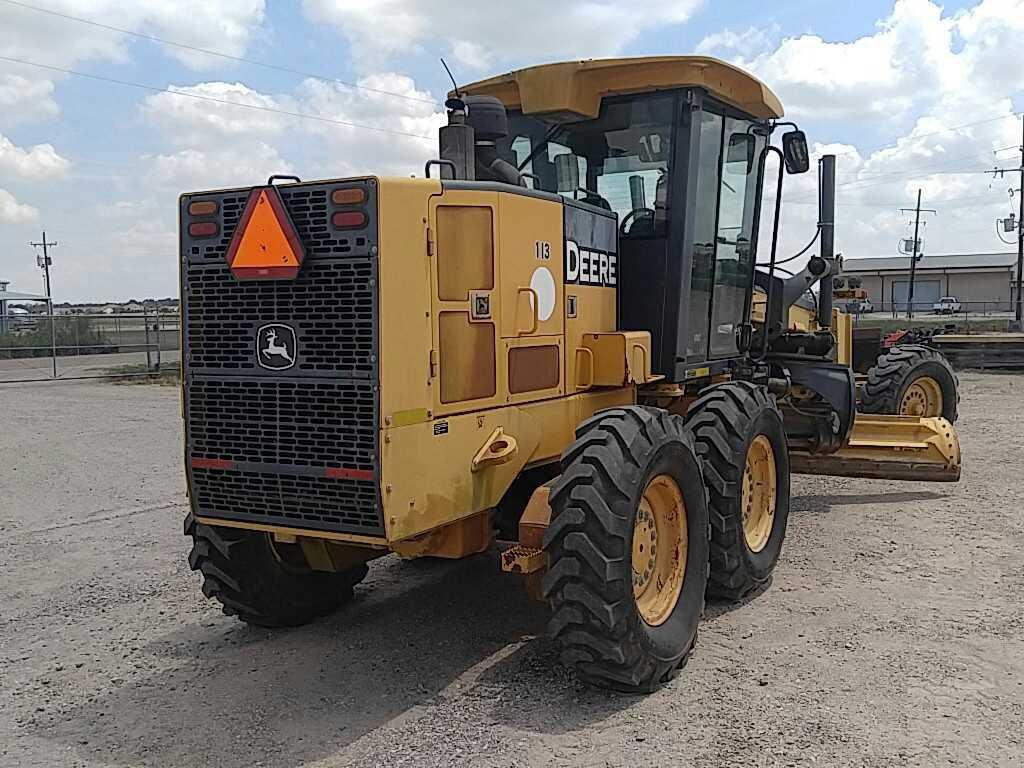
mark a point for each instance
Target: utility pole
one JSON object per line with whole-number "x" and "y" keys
{"x": 45, "y": 261}
{"x": 1018, "y": 320}
{"x": 917, "y": 242}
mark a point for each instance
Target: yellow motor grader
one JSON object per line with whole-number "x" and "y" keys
{"x": 560, "y": 340}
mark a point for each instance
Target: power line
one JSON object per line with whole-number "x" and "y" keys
{"x": 991, "y": 196}
{"x": 156, "y": 89}
{"x": 220, "y": 54}
{"x": 950, "y": 129}
{"x": 870, "y": 175}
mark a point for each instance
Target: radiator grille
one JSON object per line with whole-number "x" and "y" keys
{"x": 316, "y": 423}
{"x": 295, "y": 500}
{"x": 280, "y": 430}
{"x": 331, "y": 305}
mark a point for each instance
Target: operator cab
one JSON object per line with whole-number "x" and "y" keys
{"x": 626, "y": 160}
{"x": 675, "y": 146}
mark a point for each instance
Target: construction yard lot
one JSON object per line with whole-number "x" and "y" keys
{"x": 892, "y": 635}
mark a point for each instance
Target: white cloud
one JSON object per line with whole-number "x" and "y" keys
{"x": 882, "y": 75}
{"x": 395, "y": 148}
{"x": 199, "y": 116}
{"x": 920, "y": 68}
{"x": 191, "y": 170}
{"x": 26, "y": 92}
{"x": 729, "y": 43}
{"x": 226, "y": 26}
{"x": 13, "y": 212}
{"x": 486, "y": 34}
{"x": 23, "y": 99}
{"x": 36, "y": 164}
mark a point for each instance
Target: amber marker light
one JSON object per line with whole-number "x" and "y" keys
{"x": 202, "y": 208}
{"x": 353, "y": 196}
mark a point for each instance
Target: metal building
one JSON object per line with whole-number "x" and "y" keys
{"x": 8, "y": 296}
{"x": 982, "y": 282}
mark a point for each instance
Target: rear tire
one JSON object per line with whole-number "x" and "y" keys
{"x": 262, "y": 583}
{"x": 621, "y": 480}
{"x": 909, "y": 379}
{"x": 733, "y": 424}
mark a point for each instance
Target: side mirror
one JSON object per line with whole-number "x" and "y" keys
{"x": 794, "y": 150}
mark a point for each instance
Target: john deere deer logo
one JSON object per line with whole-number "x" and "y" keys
{"x": 276, "y": 347}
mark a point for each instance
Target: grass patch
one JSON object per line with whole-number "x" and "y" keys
{"x": 139, "y": 373}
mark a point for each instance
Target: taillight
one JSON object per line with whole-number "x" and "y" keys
{"x": 203, "y": 228}
{"x": 349, "y": 220}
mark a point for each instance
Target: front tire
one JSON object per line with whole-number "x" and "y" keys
{"x": 742, "y": 443}
{"x": 262, "y": 583}
{"x": 912, "y": 380}
{"x": 627, "y": 549}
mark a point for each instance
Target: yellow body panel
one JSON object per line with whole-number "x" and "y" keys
{"x": 620, "y": 358}
{"x": 436, "y": 468}
{"x": 405, "y": 327}
{"x": 593, "y": 310}
{"x": 575, "y": 88}
{"x": 524, "y": 222}
{"x": 426, "y": 469}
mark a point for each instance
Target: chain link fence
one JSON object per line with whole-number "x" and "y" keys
{"x": 40, "y": 346}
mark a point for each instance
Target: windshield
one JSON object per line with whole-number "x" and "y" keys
{"x": 620, "y": 161}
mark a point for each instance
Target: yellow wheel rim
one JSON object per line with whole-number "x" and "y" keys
{"x": 758, "y": 498}
{"x": 659, "y": 550}
{"x": 922, "y": 398}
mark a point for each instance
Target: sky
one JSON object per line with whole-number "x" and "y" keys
{"x": 908, "y": 94}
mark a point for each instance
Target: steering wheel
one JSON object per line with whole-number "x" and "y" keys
{"x": 641, "y": 216}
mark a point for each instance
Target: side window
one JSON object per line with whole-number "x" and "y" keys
{"x": 703, "y": 266}
{"x": 522, "y": 146}
{"x": 735, "y": 248}
{"x": 570, "y": 170}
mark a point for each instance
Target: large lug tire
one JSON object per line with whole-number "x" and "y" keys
{"x": 742, "y": 444}
{"x": 262, "y": 583}
{"x": 912, "y": 380}
{"x": 626, "y": 616}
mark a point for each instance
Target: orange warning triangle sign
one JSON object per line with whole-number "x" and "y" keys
{"x": 266, "y": 245}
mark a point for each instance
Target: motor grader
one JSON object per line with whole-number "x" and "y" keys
{"x": 567, "y": 340}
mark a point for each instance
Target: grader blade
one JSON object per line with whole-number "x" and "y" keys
{"x": 890, "y": 448}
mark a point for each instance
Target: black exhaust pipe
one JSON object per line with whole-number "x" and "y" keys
{"x": 826, "y": 224}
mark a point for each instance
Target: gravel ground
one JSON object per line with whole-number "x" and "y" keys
{"x": 893, "y": 634}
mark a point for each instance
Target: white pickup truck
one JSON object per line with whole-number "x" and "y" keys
{"x": 947, "y": 305}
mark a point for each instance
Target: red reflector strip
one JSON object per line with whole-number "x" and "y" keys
{"x": 349, "y": 220}
{"x": 202, "y": 208}
{"x": 265, "y": 273}
{"x": 203, "y": 229}
{"x": 199, "y": 463}
{"x": 341, "y": 473}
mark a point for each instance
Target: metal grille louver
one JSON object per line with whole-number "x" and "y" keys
{"x": 279, "y": 431}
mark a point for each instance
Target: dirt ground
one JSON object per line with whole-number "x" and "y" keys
{"x": 893, "y": 634}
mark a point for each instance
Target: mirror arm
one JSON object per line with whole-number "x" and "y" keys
{"x": 775, "y": 241}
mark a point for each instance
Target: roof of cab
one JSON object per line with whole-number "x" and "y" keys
{"x": 575, "y": 88}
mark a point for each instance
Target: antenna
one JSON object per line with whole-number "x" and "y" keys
{"x": 455, "y": 103}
